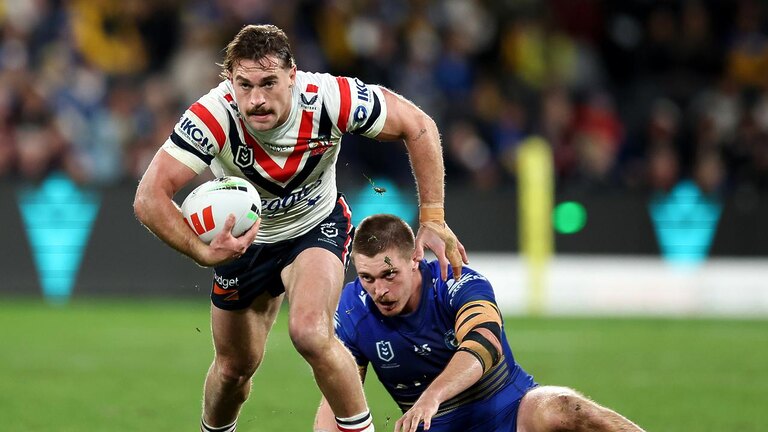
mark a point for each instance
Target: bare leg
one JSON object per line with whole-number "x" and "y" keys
{"x": 313, "y": 285}
{"x": 551, "y": 409}
{"x": 239, "y": 338}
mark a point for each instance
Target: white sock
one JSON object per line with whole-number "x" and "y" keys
{"x": 228, "y": 428}
{"x": 362, "y": 422}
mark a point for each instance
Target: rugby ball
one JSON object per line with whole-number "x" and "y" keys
{"x": 206, "y": 208}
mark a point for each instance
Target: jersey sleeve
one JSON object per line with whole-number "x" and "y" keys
{"x": 470, "y": 287}
{"x": 361, "y": 107}
{"x": 344, "y": 325}
{"x": 199, "y": 135}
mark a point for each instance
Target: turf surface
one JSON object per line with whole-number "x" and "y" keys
{"x": 135, "y": 366}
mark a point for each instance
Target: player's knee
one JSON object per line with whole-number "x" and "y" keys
{"x": 236, "y": 372}
{"x": 566, "y": 410}
{"x": 310, "y": 334}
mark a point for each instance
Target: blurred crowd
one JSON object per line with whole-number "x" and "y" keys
{"x": 633, "y": 94}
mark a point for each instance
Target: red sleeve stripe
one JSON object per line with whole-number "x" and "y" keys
{"x": 210, "y": 121}
{"x": 346, "y": 102}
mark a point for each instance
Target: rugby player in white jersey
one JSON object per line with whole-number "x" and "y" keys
{"x": 281, "y": 128}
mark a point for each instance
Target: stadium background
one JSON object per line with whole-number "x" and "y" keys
{"x": 655, "y": 114}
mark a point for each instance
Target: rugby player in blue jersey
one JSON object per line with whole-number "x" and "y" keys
{"x": 439, "y": 347}
{"x": 281, "y": 128}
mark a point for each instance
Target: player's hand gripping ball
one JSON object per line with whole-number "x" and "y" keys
{"x": 206, "y": 208}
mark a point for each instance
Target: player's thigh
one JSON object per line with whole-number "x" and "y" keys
{"x": 242, "y": 334}
{"x": 314, "y": 281}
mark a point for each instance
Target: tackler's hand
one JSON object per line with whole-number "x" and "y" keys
{"x": 421, "y": 412}
{"x": 435, "y": 234}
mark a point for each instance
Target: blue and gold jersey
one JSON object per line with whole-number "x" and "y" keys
{"x": 408, "y": 352}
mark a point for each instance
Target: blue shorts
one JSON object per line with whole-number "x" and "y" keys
{"x": 237, "y": 283}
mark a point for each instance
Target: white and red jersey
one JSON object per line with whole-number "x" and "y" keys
{"x": 294, "y": 165}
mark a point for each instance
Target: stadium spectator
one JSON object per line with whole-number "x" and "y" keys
{"x": 447, "y": 56}
{"x": 440, "y": 348}
{"x": 281, "y": 128}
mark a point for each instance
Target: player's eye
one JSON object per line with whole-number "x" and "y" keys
{"x": 366, "y": 279}
{"x": 245, "y": 86}
{"x": 391, "y": 275}
{"x": 269, "y": 84}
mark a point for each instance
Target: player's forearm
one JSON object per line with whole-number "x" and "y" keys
{"x": 156, "y": 210}
{"x": 462, "y": 372}
{"x": 426, "y": 155}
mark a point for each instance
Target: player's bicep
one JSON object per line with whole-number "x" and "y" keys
{"x": 478, "y": 330}
{"x": 165, "y": 174}
{"x": 404, "y": 119}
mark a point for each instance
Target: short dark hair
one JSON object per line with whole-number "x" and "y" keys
{"x": 255, "y": 42}
{"x": 382, "y": 232}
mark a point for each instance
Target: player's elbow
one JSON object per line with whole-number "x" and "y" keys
{"x": 141, "y": 204}
{"x": 421, "y": 124}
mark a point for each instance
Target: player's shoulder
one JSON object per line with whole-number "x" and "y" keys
{"x": 354, "y": 305}
{"x": 468, "y": 274}
{"x": 332, "y": 86}
{"x": 322, "y": 82}
{"x": 219, "y": 101}
{"x": 470, "y": 284}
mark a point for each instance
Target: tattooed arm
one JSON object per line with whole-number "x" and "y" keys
{"x": 405, "y": 121}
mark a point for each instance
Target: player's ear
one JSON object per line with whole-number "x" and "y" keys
{"x": 292, "y": 75}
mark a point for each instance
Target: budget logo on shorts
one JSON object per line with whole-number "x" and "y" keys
{"x": 384, "y": 350}
{"x": 329, "y": 229}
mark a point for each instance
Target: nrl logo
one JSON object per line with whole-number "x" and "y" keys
{"x": 329, "y": 229}
{"x": 384, "y": 350}
{"x": 244, "y": 157}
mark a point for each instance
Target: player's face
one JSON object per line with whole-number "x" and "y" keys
{"x": 393, "y": 281}
{"x": 263, "y": 92}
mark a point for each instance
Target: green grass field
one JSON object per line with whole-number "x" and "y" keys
{"x": 136, "y": 366}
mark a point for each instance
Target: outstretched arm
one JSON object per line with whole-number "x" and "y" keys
{"x": 478, "y": 330}
{"x": 407, "y": 122}
{"x": 155, "y": 208}
{"x": 462, "y": 371}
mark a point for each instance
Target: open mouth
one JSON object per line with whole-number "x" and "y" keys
{"x": 387, "y": 305}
